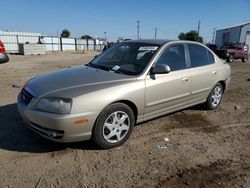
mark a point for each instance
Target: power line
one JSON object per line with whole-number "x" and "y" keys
{"x": 163, "y": 32}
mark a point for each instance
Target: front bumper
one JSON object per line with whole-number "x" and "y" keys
{"x": 56, "y": 127}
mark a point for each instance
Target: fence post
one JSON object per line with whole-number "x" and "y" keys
{"x": 75, "y": 44}
{"x": 17, "y": 41}
{"x": 52, "y": 44}
{"x": 61, "y": 44}
{"x": 87, "y": 43}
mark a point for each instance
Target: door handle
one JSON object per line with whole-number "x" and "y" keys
{"x": 185, "y": 79}
{"x": 214, "y": 72}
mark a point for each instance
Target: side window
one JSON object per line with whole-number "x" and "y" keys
{"x": 210, "y": 57}
{"x": 174, "y": 57}
{"x": 198, "y": 55}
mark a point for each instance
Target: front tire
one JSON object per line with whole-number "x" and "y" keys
{"x": 113, "y": 126}
{"x": 214, "y": 98}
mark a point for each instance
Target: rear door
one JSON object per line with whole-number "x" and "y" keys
{"x": 203, "y": 70}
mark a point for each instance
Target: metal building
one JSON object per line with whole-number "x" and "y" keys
{"x": 239, "y": 33}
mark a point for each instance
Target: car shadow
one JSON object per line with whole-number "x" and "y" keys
{"x": 15, "y": 136}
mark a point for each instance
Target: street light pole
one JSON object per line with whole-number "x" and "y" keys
{"x": 199, "y": 23}
{"x": 138, "y": 29}
{"x": 105, "y": 35}
{"x": 155, "y": 32}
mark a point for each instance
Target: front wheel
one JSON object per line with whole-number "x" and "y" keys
{"x": 214, "y": 98}
{"x": 113, "y": 126}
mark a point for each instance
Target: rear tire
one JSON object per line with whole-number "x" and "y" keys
{"x": 230, "y": 58}
{"x": 113, "y": 126}
{"x": 214, "y": 98}
{"x": 244, "y": 59}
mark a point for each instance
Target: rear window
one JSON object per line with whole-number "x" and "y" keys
{"x": 199, "y": 55}
{"x": 210, "y": 57}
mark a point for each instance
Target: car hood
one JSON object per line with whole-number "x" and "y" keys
{"x": 65, "y": 79}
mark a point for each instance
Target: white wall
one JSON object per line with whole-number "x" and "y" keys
{"x": 12, "y": 39}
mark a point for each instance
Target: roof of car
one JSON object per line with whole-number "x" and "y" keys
{"x": 151, "y": 41}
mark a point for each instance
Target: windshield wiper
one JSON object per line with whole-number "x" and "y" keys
{"x": 116, "y": 71}
{"x": 102, "y": 67}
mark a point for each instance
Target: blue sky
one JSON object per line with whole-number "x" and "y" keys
{"x": 118, "y": 17}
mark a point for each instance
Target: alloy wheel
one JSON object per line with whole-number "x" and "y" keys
{"x": 116, "y": 127}
{"x": 216, "y": 96}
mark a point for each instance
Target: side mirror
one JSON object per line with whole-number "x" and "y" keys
{"x": 160, "y": 69}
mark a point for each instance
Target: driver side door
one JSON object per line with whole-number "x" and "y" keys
{"x": 168, "y": 92}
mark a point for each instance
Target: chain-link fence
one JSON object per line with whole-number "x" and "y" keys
{"x": 12, "y": 43}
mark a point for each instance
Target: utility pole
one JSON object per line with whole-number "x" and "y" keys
{"x": 199, "y": 23}
{"x": 105, "y": 35}
{"x": 138, "y": 29}
{"x": 213, "y": 40}
{"x": 155, "y": 32}
{"x": 57, "y": 33}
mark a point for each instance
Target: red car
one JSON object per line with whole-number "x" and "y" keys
{"x": 3, "y": 56}
{"x": 233, "y": 51}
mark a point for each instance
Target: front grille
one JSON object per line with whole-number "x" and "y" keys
{"x": 26, "y": 97}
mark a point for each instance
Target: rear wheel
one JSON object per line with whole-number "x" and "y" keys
{"x": 113, "y": 126}
{"x": 214, "y": 98}
{"x": 230, "y": 58}
{"x": 244, "y": 59}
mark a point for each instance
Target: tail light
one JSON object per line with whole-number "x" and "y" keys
{"x": 2, "y": 49}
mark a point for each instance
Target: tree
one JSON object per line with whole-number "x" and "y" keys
{"x": 182, "y": 36}
{"x": 65, "y": 33}
{"x": 191, "y": 35}
{"x": 86, "y": 37}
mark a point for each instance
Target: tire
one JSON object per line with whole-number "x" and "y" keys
{"x": 214, "y": 98}
{"x": 244, "y": 59}
{"x": 4, "y": 58}
{"x": 230, "y": 58}
{"x": 113, "y": 126}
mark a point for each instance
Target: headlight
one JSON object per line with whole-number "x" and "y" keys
{"x": 54, "y": 105}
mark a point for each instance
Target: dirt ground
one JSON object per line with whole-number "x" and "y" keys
{"x": 204, "y": 148}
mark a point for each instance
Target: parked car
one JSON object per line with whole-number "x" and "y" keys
{"x": 233, "y": 51}
{"x": 129, "y": 83}
{"x": 107, "y": 46}
{"x": 3, "y": 56}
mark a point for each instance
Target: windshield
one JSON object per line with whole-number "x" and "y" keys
{"x": 125, "y": 58}
{"x": 228, "y": 46}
